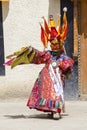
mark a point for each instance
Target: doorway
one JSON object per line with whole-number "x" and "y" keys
{"x": 71, "y": 87}
{"x": 2, "y": 68}
{"x": 82, "y": 25}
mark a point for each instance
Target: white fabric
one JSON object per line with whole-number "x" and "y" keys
{"x": 57, "y": 82}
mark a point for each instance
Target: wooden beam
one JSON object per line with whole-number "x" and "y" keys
{"x": 75, "y": 31}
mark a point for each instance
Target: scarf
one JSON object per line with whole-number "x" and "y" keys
{"x": 57, "y": 82}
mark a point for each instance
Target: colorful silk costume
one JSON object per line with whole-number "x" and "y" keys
{"x": 47, "y": 94}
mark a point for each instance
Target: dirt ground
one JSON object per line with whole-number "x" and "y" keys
{"x": 15, "y": 115}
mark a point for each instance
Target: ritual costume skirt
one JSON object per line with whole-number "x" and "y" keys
{"x": 43, "y": 96}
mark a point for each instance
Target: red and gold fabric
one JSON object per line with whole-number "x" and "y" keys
{"x": 43, "y": 96}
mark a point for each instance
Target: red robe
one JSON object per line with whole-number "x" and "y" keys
{"x": 43, "y": 96}
{"x": 47, "y": 94}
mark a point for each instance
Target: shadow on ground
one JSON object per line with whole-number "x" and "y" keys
{"x": 36, "y": 116}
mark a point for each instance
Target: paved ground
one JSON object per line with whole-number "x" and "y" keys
{"x": 14, "y": 115}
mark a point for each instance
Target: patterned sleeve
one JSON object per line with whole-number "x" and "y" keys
{"x": 40, "y": 57}
{"x": 27, "y": 55}
{"x": 66, "y": 63}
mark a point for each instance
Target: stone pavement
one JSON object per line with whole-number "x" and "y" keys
{"x": 14, "y": 115}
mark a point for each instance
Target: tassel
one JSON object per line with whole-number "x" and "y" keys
{"x": 50, "y": 103}
{"x": 44, "y": 102}
{"x": 56, "y": 104}
{"x": 47, "y": 103}
{"x": 41, "y": 101}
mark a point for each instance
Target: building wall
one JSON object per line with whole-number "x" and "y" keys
{"x": 21, "y": 28}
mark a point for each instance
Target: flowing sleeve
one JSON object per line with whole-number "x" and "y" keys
{"x": 66, "y": 64}
{"x": 41, "y": 57}
{"x": 27, "y": 55}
